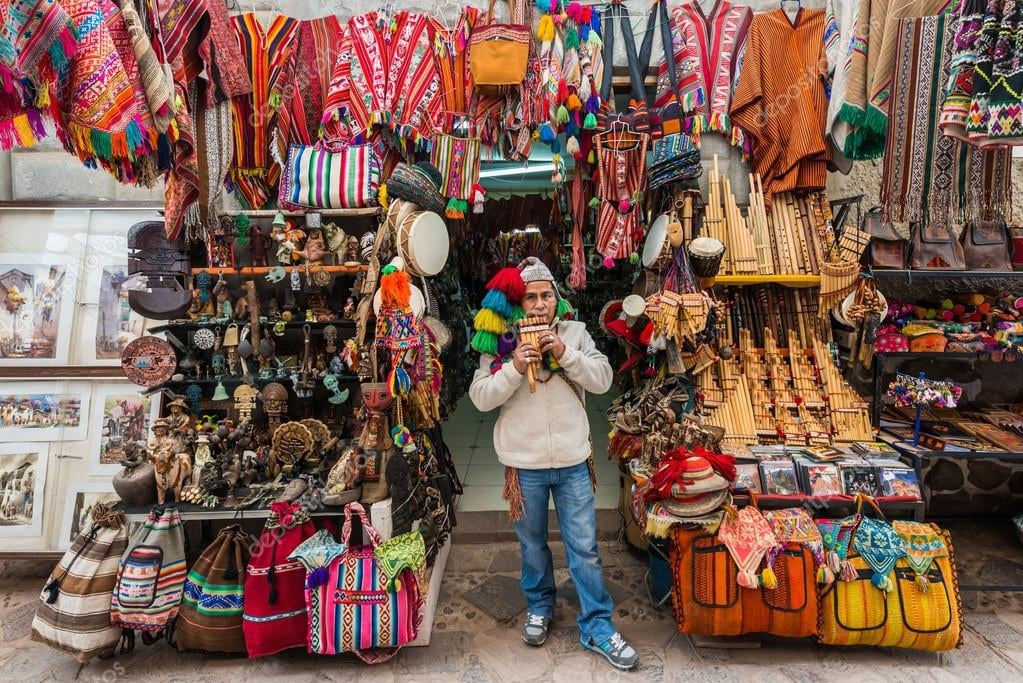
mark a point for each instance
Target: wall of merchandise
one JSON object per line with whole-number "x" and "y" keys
{"x": 65, "y": 406}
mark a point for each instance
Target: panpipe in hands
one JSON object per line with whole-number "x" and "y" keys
{"x": 529, "y": 333}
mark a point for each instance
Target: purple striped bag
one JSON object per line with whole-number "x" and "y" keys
{"x": 315, "y": 177}
{"x": 363, "y": 599}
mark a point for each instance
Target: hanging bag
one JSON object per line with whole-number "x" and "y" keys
{"x": 151, "y": 577}
{"x": 316, "y": 177}
{"x": 274, "y": 612}
{"x": 74, "y": 609}
{"x": 499, "y": 53}
{"x": 887, "y": 249}
{"x": 210, "y": 618}
{"x": 986, "y": 246}
{"x": 363, "y": 599}
{"x": 934, "y": 247}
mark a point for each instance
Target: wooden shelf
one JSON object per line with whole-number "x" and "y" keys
{"x": 336, "y": 213}
{"x": 263, "y": 270}
{"x": 757, "y": 279}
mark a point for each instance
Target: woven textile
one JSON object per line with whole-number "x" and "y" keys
{"x": 622, "y": 164}
{"x": 151, "y": 577}
{"x": 842, "y": 39}
{"x": 878, "y": 544}
{"x": 927, "y": 176}
{"x": 707, "y": 50}
{"x": 183, "y": 185}
{"x": 210, "y": 619}
{"x": 996, "y": 106}
{"x": 451, "y": 57}
{"x": 266, "y": 52}
{"x": 923, "y": 543}
{"x": 274, "y": 617}
{"x": 748, "y": 537}
{"x": 780, "y": 101}
{"x": 306, "y": 82}
{"x": 458, "y": 160}
{"x": 795, "y": 525}
{"x": 413, "y": 95}
{"x": 78, "y": 621}
{"x": 155, "y": 80}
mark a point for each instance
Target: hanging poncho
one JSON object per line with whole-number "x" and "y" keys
{"x": 707, "y": 50}
{"x": 104, "y": 118}
{"x": 413, "y": 94}
{"x": 266, "y": 51}
{"x": 358, "y": 83}
{"x": 306, "y": 82}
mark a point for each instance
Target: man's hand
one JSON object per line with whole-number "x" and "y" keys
{"x": 551, "y": 343}
{"x": 524, "y": 355}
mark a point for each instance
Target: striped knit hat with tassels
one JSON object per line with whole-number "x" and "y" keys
{"x": 501, "y": 309}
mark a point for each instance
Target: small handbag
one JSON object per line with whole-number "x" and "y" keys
{"x": 986, "y": 246}
{"x": 318, "y": 178}
{"x": 499, "y": 53}
{"x": 934, "y": 247}
{"x": 887, "y": 249}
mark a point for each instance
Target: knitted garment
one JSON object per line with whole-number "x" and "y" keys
{"x": 996, "y": 109}
{"x": 923, "y": 544}
{"x": 879, "y": 545}
{"x": 210, "y": 618}
{"x": 407, "y": 551}
{"x": 105, "y": 122}
{"x": 748, "y": 537}
{"x": 795, "y": 525}
{"x": 151, "y": 577}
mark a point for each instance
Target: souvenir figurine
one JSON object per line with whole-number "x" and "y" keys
{"x": 352, "y": 251}
{"x": 336, "y": 240}
{"x": 275, "y": 403}
{"x": 315, "y": 249}
{"x": 257, "y": 248}
{"x": 288, "y": 240}
{"x": 376, "y": 433}
{"x": 203, "y": 455}
{"x": 366, "y": 243}
{"x": 349, "y": 309}
{"x": 222, "y": 296}
{"x": 337, "y": 396}
{"x": 173, "y": 466}
{"x": 135, "y": 484}
{"x": 180, "y": 419}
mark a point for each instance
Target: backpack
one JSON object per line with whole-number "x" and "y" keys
{"x": 274, "y": 609}
{"x": 210, "y": 619}
{"x": 74, "y": 609}
{"x": 151, "y": 577}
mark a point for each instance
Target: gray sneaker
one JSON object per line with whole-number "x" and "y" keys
{"x": 615, "y": 650}
{"x": 534, "y": 631}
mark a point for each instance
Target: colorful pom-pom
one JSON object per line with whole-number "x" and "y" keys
{"x": 489, "y": 321}
{"x": 497, "y": 301}
{"x": 768, "y": 579}
{"x": 564, "y": 310}
{"x": 609, "y": 262}
{"x": 509, "y": 281}
{"x": 395, "y": 289}
{"x": 484, "y": 342}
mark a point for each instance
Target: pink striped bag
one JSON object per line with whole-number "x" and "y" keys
{"x": 317, "y": 178}
{"x": 363, "y": 599}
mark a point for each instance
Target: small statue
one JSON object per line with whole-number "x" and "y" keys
{"x": 352, "y": 251}
{"x": 349, "y": 309}
{"x": 136, "y": 483}
{"x": 250, "y": 468}
{"x": 173, "y": 467}
{"x": 315, "y": 249}
{"x": 289, "y": 239}
{"x": 180, "y": 419}
{"x": 222, "y": 296}
{"x": 257, "y": 247}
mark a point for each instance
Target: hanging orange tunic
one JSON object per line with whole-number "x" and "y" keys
{"x": 780, "y": 100}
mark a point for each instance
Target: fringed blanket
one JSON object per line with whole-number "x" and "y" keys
{"x": 928, "y": 176}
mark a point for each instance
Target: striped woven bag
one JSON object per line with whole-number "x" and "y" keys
{"x": 317, "y": 178}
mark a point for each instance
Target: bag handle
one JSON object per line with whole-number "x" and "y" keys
{"x": 660, "y": 7}
{"x": 346, "y": 530}
{"x": 862, "y": 498}
{"x": 754, "y": 500}
{"x": 635, "y": 77}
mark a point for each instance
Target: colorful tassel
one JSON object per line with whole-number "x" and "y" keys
{"x": 509, "y": 281}
{"x": 382, "y": 195}
{"x": 834, "y": 562}
{"x": 484, "y": 342}
{"x": 317, "y": 577}
{"x": 401, "y": 436}
{"x": 922, "y": 584}
{"x": 562, "y": 115}
{"x": 489, "y": 321}
{"x": 825, "y": 577}
{"x": 497, "y": 301}
{"x": 562, "y": 90}
{"x": 506, "y": 343}
{"x": 547, "y": 134}
{"x": 571, "y": 39}
{"x": 572, "y": 147}
{"x": 849, "y": 572}
{"x": 768, "y": 579}
{"x": 594, "y": 202}
{"x": 517, "y": 314}
{"x": 545, "y": 30}
{"x": 881, "y": 582}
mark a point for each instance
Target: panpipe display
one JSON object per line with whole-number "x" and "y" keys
{"x": 782, "y": 309}
{"x": 850, "y": 414}
{"x": 734, "y": 412}
{"x": 529, "y": 333}
{"x": 724, "y": 222}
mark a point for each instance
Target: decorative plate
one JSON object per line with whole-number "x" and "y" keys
{"x": 292, "y": 441}
{"x": 204, "y": 339}
{"x": 148, "y": 361}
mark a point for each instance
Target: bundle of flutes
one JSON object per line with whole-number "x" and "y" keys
{"x": 725, "y": 222}
{"x": 529, "y": 333}
{"x": 773, "y": 307}
{"x": 735, "y": 413}
{"x": 850, "y": 414}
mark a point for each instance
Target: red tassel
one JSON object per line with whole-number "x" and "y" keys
{"x": 562, "y": 90}
{"x": 509, "y": 281}
{"x": 722, "y": 463}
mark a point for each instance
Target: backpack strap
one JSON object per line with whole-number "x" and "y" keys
{"x": 636, "y": 77}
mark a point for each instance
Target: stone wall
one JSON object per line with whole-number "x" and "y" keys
{"x": 961, "y": 487}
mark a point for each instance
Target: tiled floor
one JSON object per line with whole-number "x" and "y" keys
{"x": 470, "y": 436}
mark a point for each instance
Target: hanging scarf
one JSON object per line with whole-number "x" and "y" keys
{"x": 183, "y": 182}
{"x": 105, "y": 123}
{"x": 836, "y": 535}
{"x": 748, "y": 537}
{"x": 879, "y": 545}
{"x": 266, "y": 51}
{"x": 928, "y": 176}
{"x": 924, "y": 544}
{"x": 157, "y": 84}
{"x": 795, "y": 525}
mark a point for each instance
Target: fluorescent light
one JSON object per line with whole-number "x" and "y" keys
{"x": 521, "y": 171}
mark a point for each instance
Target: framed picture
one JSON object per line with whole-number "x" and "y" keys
{"x": 22, "y": 482}
{"x": 121, "y": 415}
{"x": 37, "y": 295}
{"x": 860, "y": 479}
{"x": 107, "y": 322}
{"x": 900, "y": 482}
{"x": 822, "y": 480}
{"x": 779, "y": 477}
{"x": 44, "y": 411}
{"x": 81, "y": 498}
{"x": 748, "y": 477}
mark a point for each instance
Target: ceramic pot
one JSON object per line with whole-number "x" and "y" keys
{"x": 136, "y": 486}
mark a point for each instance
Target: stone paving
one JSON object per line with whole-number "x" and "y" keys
{"x": 476, "y": 638}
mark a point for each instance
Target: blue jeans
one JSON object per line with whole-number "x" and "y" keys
{"x": 577, "y": 516}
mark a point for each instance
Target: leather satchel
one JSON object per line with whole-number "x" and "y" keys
{"x": 933, "y": 247}
{"x": 887, "y": 249}
{"x": 986, "y": 246}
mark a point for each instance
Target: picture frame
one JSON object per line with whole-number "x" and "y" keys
{"x": 860, "y": 479}
{"x": 80, "y": 498}
{"x": 44, "y": 411}
{"x": 900, "y": 482}
{"x": 748, "y": 477}
{"x": 106, "y": 323}
{"x": 779, "y": 478}
{"x": 22, "y": 489}
{"x": 822, "y": 480}
{"x": 120, "y": 413}
{"x": 37, "y": 297}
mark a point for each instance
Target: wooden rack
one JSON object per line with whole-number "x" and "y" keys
{"x": 256, "y": 270}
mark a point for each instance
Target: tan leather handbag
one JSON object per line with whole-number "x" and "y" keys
{"x": 986, "y": 246}
{"x": 887, "y": 249}
{"x": 933, "y": 247}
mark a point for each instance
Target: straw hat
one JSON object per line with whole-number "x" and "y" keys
{"x": 697, "y": 490}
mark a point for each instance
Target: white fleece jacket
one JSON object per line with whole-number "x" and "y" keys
{"x": 547, "y": 429}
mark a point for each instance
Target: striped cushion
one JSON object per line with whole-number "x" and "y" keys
{"x": 316, "y": 178}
